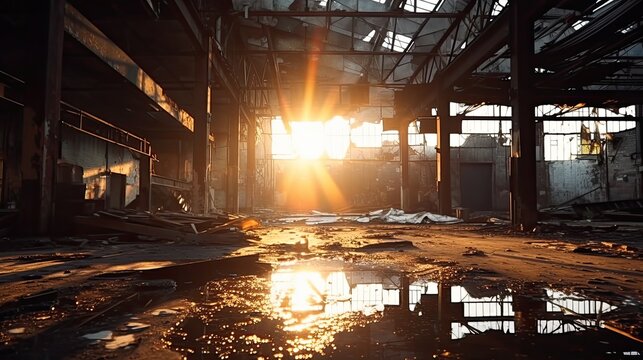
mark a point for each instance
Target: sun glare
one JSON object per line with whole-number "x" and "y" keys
{"x": 310, "y": 140}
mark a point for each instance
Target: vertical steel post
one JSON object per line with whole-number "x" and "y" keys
{"x": 41, "y": 114}
{"x": 232, "y": 188}
{"x": 201, "y": 131}
{"x": 251, "y": 162}
{"x": 523, "y": 205}
{"x": 444, "y": 158}
{"x": 405, "y": 191}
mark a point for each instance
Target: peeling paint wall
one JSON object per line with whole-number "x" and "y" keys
{"x": 624, "y": 165}
{"x": 570, "y": 179}
{"x": 584, "y": 180}
{"x": 97, "y": 157}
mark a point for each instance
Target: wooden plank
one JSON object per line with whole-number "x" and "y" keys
{"x": 131, "y": 228}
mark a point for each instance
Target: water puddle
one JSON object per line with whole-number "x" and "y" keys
{"x": 326, "y": 309}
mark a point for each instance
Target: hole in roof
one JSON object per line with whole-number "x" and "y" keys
{"x": 498, "y": 6}
{"x": 579, "y": 24}
{"x": 370, "y": 35}
{"x": 602, "y": 5}
{"x": 380, "y": 1}
{"x": 421, "y": 6}
{"x": 399, "y": 44}
{"x": 323, "y": 2}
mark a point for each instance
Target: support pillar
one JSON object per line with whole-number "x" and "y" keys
{"x": 444, "y": 314}
{"x": 232, "y": 184}
{"x": 638, "y": 112}
{"x": 200, "y": 151}
{"x": 523, "y": 203}
{"x": 405, "y": 190}
{"x": 444, "y": 159}
{"x": 41, "y": 117}
{"x": 145, "y": 183}
{"x": 251, "y": 163}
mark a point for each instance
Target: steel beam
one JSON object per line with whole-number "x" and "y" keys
{"x": 488, "y": 42}
{"x": 352, "y": 14}
{"x": 335, "y": 52}
{"x": 81, "y": 29}
{"x": 443, "y": 39}
{"x": 523, "y": 203}
{"x": 192, "y": 24}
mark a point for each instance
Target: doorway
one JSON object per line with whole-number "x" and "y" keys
{"x": 476, "y": 185}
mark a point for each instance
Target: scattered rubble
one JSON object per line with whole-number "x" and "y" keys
{"x": 170, "y": 225}
{"x": 378, "y": 216}
{"x": 473, "y": 252}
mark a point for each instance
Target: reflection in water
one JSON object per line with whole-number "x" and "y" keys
{"x": 323, "y": 309}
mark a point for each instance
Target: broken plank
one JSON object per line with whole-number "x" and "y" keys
{"x": 131, "y": 228}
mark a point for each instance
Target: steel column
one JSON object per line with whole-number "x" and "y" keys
{"x": 251, "y": 163}
{"x": 639, "y": 146}
{"x": 405, "y": 191}
{"x": 200, "y": 135}
{"x": 523, "y": 204}
{"x": 145, "y": 183}
{"x": 444, "y": 158}
{"x": 232, "y": 183}
{"x": 41, "y": 125}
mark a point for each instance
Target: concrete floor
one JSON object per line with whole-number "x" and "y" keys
{"x": 98, "y": 285}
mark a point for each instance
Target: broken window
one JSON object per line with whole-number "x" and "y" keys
{"x": 370, "y": 35}
{"x": 498, "y": 6}
{"x": 590, "y": 142}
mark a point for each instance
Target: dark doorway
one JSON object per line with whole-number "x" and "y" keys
{"x": 475, "y": 186}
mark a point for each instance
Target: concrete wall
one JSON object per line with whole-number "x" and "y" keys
{"x": 568, "y": 180}
{"x": 96, "y": 157}
{"x": 624, "y": 165}
{"x": 174, "y": 159}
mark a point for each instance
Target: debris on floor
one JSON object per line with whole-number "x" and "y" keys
{"x": 170, "y": 225}
{"x": 383, "y": 216}
{"x": 121, "y": 341}
{"x": 388, "y": 245}
{"x": 101, "y": 335}
{"x": 473, "y": 252}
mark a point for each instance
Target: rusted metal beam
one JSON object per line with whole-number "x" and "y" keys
{"x": 192, "y": 24}
{"x": 443, "y": 39}
{"x": 352, "y": 14}
{"x": 335, "y": 52}
{"x": 81, "y": 29}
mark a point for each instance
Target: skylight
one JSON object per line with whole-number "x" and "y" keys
{"x": 400, "y": 43}
{"x": 421, "y": 6}
{"x": 380, "y": 1}
{"x": 370, "y": 35}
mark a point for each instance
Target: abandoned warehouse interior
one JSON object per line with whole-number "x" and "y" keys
{"x": 380, "y": 179}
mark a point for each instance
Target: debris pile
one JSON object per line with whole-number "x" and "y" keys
{"x": 391, "y": 215}
{"x": 170, "y": 225}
